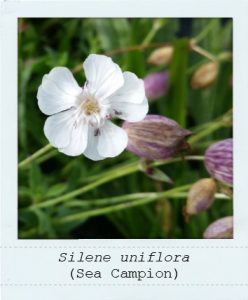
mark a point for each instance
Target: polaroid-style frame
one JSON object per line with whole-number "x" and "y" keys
{"x": 210, "y": 269}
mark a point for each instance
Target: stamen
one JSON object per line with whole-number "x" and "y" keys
{"x": 90, "y": 107}
{"x": 97, "y": 132}
{"x": 118, "y": 113}
{"x": 95, "y": 113}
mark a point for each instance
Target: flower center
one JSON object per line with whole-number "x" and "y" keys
{"x": 90, "y": 106}
{"x": 93, "y": 111}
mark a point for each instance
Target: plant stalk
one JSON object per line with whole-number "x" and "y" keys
{"x": 115, "y": 173}
{"x": 118, "y": 207}
{"x": 34, "y": 156}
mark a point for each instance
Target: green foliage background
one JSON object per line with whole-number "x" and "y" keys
{"x": 46, "y": 43}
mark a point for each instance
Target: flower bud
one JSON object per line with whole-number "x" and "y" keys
{"x": 220, "y": 229}
{"x": 161, "y": 56}
{"x": 156, "y": 85}
{"x": 200, "y": 196}
{"x": 219, "y": 161}
{"x": 156, "y": 137}
{"x": 205, "y": 76}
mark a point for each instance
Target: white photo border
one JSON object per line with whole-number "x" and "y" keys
{"x": 12, "y": 10}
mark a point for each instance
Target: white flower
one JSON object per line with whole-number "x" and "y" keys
{"x": 79, "y": 119}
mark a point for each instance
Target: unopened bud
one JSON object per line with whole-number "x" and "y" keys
{"x": 156, "y": 85}
{"x": 161, "y": 56}
{"x": 220, "y": 229}
{"x": 219, "y": 161}
{"x": 205, "y": 76}
{"x": 156, "y": 137}
{"x": 200, "y": 196}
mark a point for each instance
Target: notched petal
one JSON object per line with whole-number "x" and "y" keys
{"x": 131, "y": 112}
{"x": 78, "y": 141}
{"x": 91, "y": 150}
{"x": 133, "y": 90}
{"x": 58, "y": 91}
{"x": 104, "y": 77}
{"x": 58, "y": 128}
{"x": 112, "y": 140}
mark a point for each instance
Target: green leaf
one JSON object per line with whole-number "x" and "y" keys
{"x": 27, "y": 219}
{"x": 56, "y": 190}
{"x": 177, "y": 96}
{"x": 36, "y": 182}
{"x": 106, "y": 34}
{"x": 64, "y": 210}
{"x": 24, "y": 77}
{"x": 24, "y": 191}
{"x": 45, "y": 226}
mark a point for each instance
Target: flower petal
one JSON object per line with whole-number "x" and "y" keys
{"x": 112, "y": 140}
{"x": 130, "y": 111}
{"x": 58, "y": 91}
{"x": 58, "y": 128}
{"x": 91, "y": 150}
{"x": 103, "y": 75}
{"x": 78, "y": 142}
{"x": 133, "y": 90}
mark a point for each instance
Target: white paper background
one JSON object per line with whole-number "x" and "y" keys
{"x": 29, "y": 268}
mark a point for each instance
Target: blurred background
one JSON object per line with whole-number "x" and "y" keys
{"x": 192, "y": 99}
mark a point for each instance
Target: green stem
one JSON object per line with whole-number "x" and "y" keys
{"x": 115, "y": 173}
{"x": 131, "y": 197}
{"x": 158, "y": 24}
{"x": 203, "y": 52}
{"x": 184, "y": 195}
{"x": 34, "y": 156}
{"x": 118, "y": 207}
{"x": 132, "y": 167}
{"x": 205, "y": 31}
{"x": 47, "y": 156}
{"x": 206, "y": 129}
{"x": 177, "y": 159}
{"x": 212, "y": 127}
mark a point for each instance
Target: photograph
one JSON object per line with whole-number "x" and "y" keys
{"x": 125, "y": 128}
